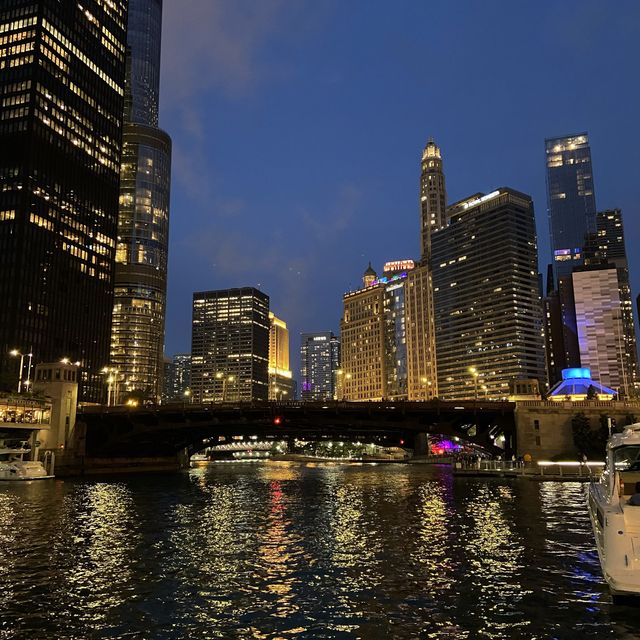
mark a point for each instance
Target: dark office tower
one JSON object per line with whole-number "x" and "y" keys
{"x": 433, "y": 195}
{"x": 320, "y": 366}
{"x": 230, "y": 346}
{"x": 177, "y": 378}
{"x": 487, "y": 308}
{"x": 62, "y": 70}
{"x": 137, "y": 336}
{"x": 571, "y": 199}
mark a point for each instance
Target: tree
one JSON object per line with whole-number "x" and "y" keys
{"x": 582, "y": 436}
{"x": 629, "y": 419}
{"x": 592, "y": 393}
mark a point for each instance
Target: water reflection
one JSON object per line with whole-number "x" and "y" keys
{"x": 293, "y": 551}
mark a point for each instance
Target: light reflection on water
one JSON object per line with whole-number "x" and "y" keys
{"x": 281, "y": 550}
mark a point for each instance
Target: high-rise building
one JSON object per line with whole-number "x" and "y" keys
{"x": 488, "y": 320}
{"x": 604, "y": 346}
{"x": 571, "y": 198}
{"x": 137, "y": 337}
{"x": 230, "y": 345}
{"x": 607, "y": 247}
{"x": 280, "y": 376}
{"x": 388, "y": 349}
{"x": 62, "y": 74}
{"x": 177, "y": 378}
{"x": 320, "y": 366}
{"x": 433, "y": 195}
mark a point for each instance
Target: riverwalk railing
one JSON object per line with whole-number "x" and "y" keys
{"x": 542, "y": 468}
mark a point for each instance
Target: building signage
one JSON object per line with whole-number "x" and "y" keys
{"x": 476, "y": 201}
{"x": 399, "y": 265}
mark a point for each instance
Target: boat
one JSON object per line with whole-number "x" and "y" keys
{"x": 14, "y": 468}
{"x": 614, "y": 516}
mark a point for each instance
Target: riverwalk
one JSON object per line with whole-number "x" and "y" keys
{"x": 541, "y": 471}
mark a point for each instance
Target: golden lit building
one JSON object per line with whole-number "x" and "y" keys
{"x": 280, "y": 376}
{"x": 422, "y": 377}
{"x": 388, "y": 346}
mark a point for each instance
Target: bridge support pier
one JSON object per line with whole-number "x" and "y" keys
{"x": 420, "y": 444}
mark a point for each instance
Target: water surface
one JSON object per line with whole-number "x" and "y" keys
{"x": 284, "y": 550}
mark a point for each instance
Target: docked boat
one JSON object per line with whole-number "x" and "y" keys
{"x": 13, "y": 467}
{"x": 614, "y": 508}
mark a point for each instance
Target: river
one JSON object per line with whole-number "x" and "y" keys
{"x": 286, "y": 550}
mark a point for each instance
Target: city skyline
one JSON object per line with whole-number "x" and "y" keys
{"x": 323, "y": 209}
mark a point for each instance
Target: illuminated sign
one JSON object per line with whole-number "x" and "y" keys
{"x": 476, "y": 201}
{"x": 319, "y": 338}
{"x": 579, "y": 373}
{"x": 562, "y": 252}
{"x": 386, "y": 280}
{"x": 399, "y": 265}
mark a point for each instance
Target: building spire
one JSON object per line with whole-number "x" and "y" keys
{"x": 433, "y": 196}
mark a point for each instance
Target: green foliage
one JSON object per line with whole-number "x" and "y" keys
{"x": 629, "y": 419}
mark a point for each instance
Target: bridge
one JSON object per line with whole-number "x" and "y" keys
{"x": 167, "y": 430}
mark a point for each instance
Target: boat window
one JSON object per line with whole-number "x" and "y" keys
{"x": 627, "y": 458}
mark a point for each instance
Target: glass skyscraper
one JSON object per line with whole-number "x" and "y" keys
{"x": 319, "y": 365}
{"x": 137, "y": 336}
{"x": 571, "y": 198}
{"x": 62, "y": 77}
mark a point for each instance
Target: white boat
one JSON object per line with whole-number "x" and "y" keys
{"x": 616, "y": 520}
{"x": 13, "y": 467}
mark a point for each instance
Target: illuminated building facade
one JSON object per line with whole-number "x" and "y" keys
{"x": 62, "y": 76}
{"x": 230, "y": 346}
{"x": 571, "y": 198}
{"x": 604, "y": 347}
{"x": 433, "y": 195}
{"x": 320, "y": 372}
{"x": 177, "y": 378}
{"x": 137, "y": 336}
{"x": 606, "y": 247}
{"x": 280, "y": 376}
{"x": 488, "y": 320}
{"x": 388, "y": 349}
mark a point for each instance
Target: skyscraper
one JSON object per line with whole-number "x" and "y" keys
{"x": 606, "y": 247}
{"x": 280, "y": 376}
{"x": 319, "y": 366}
{"x": 230, "y": 345}
{"x": 137, "y": 337}
{"x": 62, "y": 76}
{"x": 387, "y": 336}
{"x": 433, "y": 195}
{"x": 177, "y": 378}
{"x": 571, "y": 198}
{"x": 487, "y": 308}
{"x": 601, "y": 334}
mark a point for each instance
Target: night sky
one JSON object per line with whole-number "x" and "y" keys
{"x": 298, "y": 128}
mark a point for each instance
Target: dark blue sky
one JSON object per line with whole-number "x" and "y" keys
{"x": 298, "y": 128}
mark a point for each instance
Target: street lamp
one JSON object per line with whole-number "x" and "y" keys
{"x": 112, "y": 382}
{"x": 15, "y": 353}
{"x": 225, "y": 379}
{"x": 474, "y": 372}
{"x": 187, "y": 395}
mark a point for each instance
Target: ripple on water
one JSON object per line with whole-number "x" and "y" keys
{"x": 302, "y": 551}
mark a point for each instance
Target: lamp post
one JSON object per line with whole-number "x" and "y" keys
{"x": 15, "y": 353}
{"x": 427, "y": 384}
{"x": 474, "y": 372}
{"x": 28, "y": 380}
{"x": 225, "y": 379}
{"x": 187, "y": 395}
{"x": 112, "y": 384}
